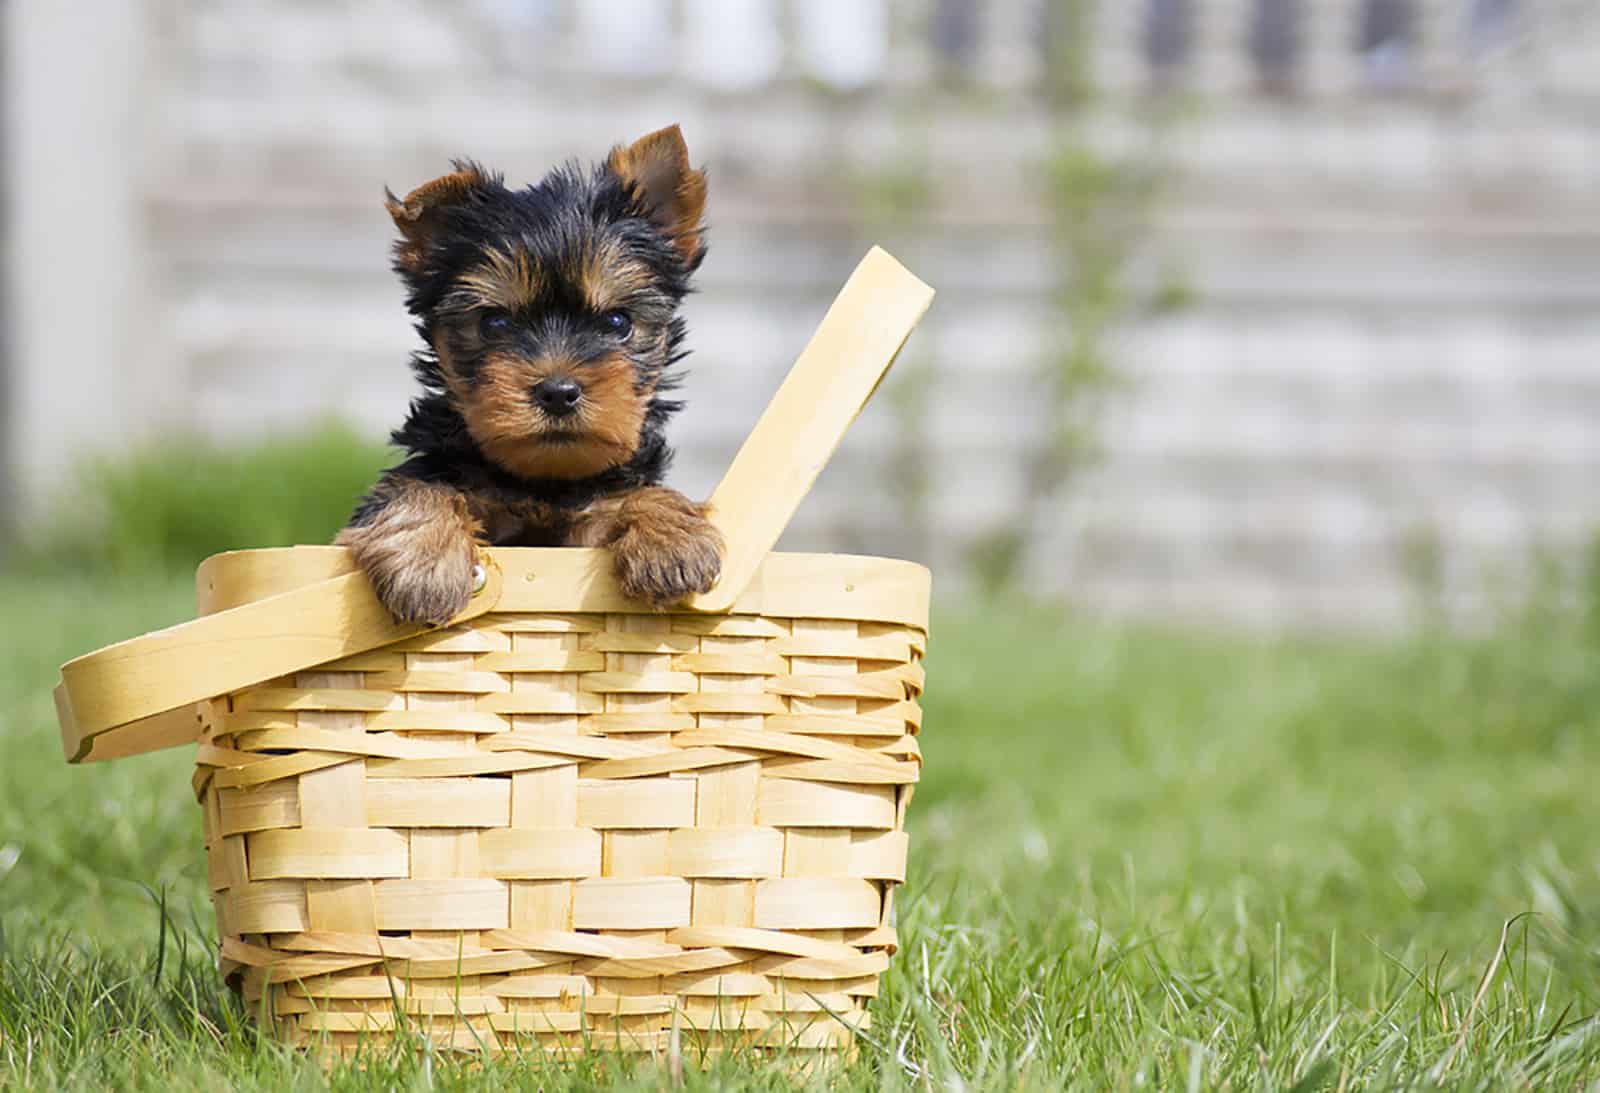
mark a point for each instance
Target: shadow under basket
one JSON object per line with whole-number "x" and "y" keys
{"x": 571, "y": 822}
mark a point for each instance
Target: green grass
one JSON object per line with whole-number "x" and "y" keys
{"x": 1140, "y": 859}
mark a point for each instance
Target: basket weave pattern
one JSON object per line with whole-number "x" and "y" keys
{"x": 555, "y": 830}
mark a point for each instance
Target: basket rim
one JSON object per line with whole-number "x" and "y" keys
{"x": 858, "y": 587}
{"x": 296, "y": 607}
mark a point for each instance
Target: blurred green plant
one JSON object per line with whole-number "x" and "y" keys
{"x": 1100, "y": 209}
{"x": 167, "y": 506}
{"x": 1066, "y": 27}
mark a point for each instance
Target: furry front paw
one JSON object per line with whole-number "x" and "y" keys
{"x": 418, "y": 553}
{"x": 667, "y": 553}
{"x": 417, "y": 586}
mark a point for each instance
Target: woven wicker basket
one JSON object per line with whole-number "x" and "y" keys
{"x": 587, "y": 823}
{"x": 564, "y": 821}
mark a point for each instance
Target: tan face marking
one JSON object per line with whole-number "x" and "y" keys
{"x": 608, "y": 279}
{"x": 511, "y": 281}
{"x": 513, "y": 432}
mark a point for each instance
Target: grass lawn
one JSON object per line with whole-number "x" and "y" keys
{"x": 1140, "y": 859}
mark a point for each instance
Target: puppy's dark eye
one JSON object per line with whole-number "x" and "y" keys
{"x": 617, "y": 323}
{"x": 494, "y": 324}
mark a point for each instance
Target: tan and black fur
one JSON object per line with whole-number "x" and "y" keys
{"x": 549, "y": 317}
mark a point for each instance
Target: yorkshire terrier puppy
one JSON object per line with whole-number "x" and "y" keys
{"x": 549, "y": 317}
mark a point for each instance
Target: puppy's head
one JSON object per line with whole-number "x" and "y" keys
{"x": 551, "y": 311}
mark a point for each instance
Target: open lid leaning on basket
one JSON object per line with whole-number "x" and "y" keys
{"x": 142, "y": 695}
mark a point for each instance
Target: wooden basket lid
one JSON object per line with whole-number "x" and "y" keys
{"x": 140, "y": 695}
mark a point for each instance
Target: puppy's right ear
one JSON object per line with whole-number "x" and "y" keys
{"x": 418, "y": 215}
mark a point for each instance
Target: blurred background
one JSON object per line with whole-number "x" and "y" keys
{"x": 1280, "y": 313}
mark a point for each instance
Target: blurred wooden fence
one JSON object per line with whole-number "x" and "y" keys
{"x": 1384, "y": 213}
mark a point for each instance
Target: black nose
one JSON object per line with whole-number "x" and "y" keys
{"x": 557, "y": 397}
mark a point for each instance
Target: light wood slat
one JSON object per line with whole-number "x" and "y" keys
{"x": 453, "y": 903}
{"x": 295, "y": 698}
{"x": 730, "y": 985}
{"x": 729, "y": 702}
{"x": 574, "y": 944}
{"x": 504, "y": 762}
{"x": 334, "y": 987}
{"x": 533, "y": 853}
{"x": 457, "y": 639}
{"x": 877, "y": 937}
{"x": 372, "y": 944}
{"x": 796, "y": 1003}
{"x": 450, "y": 1005}
{"x": 456, "y": 802}
{"x": 541, "y": 1021}
{"x": 525, "y": 702}
{"x": 894, "y": 647}
{"x": 630, "y": 903}
{"x": 414, "y": 681}
{"x": 631, "y": 1004}
{"x": 228, "y": 724}
{"x": 849, "y": 772}
{"x": 843, "y": 686}
{"x": 879, "y": 855}
{"x": 877, "y": 723}
{"x": 828, "y": 1034}
{"x": 509, "y": 621}
{"x": 636, "y": 803}
{"x": 769, "y": 941}
{"x": 812, "y": 968}
{"x": 327, "y": 852}
{"x": 207, "y": 754}
{"x": 436, "y": 720}
{"x": 266, "y": 907}
{"x": 540, "y": 663}
{"x": 640, "y": 721}
{"x": 630, "y": 683}
{"x": 379, "y": 745}
{"x": 653, "y": 967}
{"x": 787, "y": 803}
{"x": 275, "y": 768}
{"x": 621, "y": 641}
{"x": 724, "y": 1016}
{"x": 730, "y": 626}
{"x": 454, "y": 968}
{"x": 365, "y": 1021}
{"x": 542, "y": 985}
{"x": 569, "y": 744}
{"x": 270, "y": 966}
{"x": 728, "y": 852}
{"x": 732, "y": 664}
{"x": 669, "y": 761}
{"x": 780, "y": 743}
{"x": 258, "y": 808}
{"x": 385, "y": 661}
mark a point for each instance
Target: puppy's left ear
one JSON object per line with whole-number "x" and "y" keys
{"x": 673, "y": 193}
{"x": 418, "y": 215}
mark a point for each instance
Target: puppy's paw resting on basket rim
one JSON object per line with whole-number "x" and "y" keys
{"x": 418, "y": 551}
{"x": 665, "y": 550}
{"x": 417, "y": 542}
